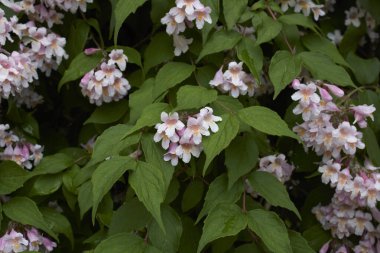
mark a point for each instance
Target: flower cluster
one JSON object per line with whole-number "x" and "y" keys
{"x": 30, "y": 240}
{"x": 106, "y": 83}
{"x": 234, "y": 80}
{"x": 328, "y": 131}
{"x": 182, "y": 141}
{"x": 181, "y": 16}
{"x": 18, "y": 150}
{"x": 277, "y": 165}
{"x": 45, "y": 11}
{"x": 39, "y": 49}
{"x": 320, "y": 113}
{"x": 304, "y": 6}
{"x": 354, "y": 17}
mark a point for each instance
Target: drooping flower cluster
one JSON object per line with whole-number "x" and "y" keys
{"x": 106, "y": 83}
{"x": 45, "y": 10}
{"x": 28, "y": 240}
{"x": 39, "y": 49}
{"x": 304, "y": 6}
{"x": 182, "y": 16}
{"x": 234, "y": 80}
{"x": 183, "y": 141}
{"x": 328, "y": 131}
{"x": 278, "y": 166}
{"x": 18, "y": 150}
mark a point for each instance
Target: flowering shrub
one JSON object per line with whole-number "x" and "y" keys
{"x": 189, "y": 126}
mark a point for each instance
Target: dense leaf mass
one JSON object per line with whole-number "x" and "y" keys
{"x": 165, "y": 126}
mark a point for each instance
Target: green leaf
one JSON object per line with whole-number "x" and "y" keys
{"x": 154, "y": 155}
{"x": 85, "y": 198}
{"x": 241, "y": 157}
{"x": 267, "y": 28}
{"x": 125, "y": 243}
{"x": 106, "y": 175}
{"x": 77, "y": 37}
{"x": 160, "y": 49}
{"x": 140, "y": 99}
{"x": 219, "y": 193}
{"x": 111, "y": 142}
{"x": 372, "y": 146}
{"x": 266, "y": 121}
{"x": 12, "y": 177}
{"x": 122, "y": 10}
{"x": 252, "y": 56}
{"x": 192, "y": 195}
{"x": 218, "y": 141}
{"x": 219, "y": 41}
{"x": 351, "y": 38}
{"x": 46, "y": 184}
{"x": 108, "y": 113}
{"x": 191, "y": 97}
{"x": 138, "y": 217}
{"x": 373, "y": 7}
{"x": 298, "y": 243}
{"x": 322, "y": 45}
{"x": 226, "y": 104}
{"x": 224, "y": 220}
{"x": 25, "y": 211}
{"x": 150, "y": 116}
{"x": 58, "y": 223}
{"x": 53, "y": 164}
{"x": 150, "y": 186}
{"x": 271, "y": 229}
{"x": 284, "y": 68}
{"x": 167, "y": 242}
{"x": 366, "y": 70}
{"x": 270, "y": 188}
{"x": 233, "y": 11}
{"x": 94, "y": 23}
{"x": 170, "y": 75}
{"x": 316, "y": 236}
{"x": 298, "y": 19}
{"x": 322, "y": 68}
{"x": 79, "y": 66}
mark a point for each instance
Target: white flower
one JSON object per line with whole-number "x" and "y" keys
{"x": 172, "y": 27}
{"x": 330, "y": 172}
{"x": 304, "y": 6}
{"x": 118, "y": 57}
{"x": 306, "y": 94}
{"x": 208, "y": 119}
{"x": 335, "y": 37}
{"x": 353, "y": 17}
{"x": 171, "y": 123}
{"x": 285, "y": 4}
{"x": 181, "y": 44}
{"x": 190, "y": 5}
{"x": 201, "y": 16}
{"x": 194, "y": 130}
{"x": 186, "y": 148}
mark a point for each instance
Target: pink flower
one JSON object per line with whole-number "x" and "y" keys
{"x": 330, "y": 172}
{"x": 91, "y": 51}
{"x": 13, "y": 242}
{"x": 306, "y": 94}
{"x": 208, "y": 119}
{"x": 35, "y": 239}
{"x": 190, "y": 5}
{"x": 49, "y": 244}
{"x": 171, "y": 154}
{"x": 118, "y": 57}
{"x": 194, "y": 130}
{"x": 186, "y": 148}
{"x": 201, "y": 16}
{"x": 218, "y": 78}
{"x": 171, "y": 123}
{"x": 361, "y": 112}
{"x": 334, "y": 90}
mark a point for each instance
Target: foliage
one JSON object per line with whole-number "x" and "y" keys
{"x": 189, "y": 126}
